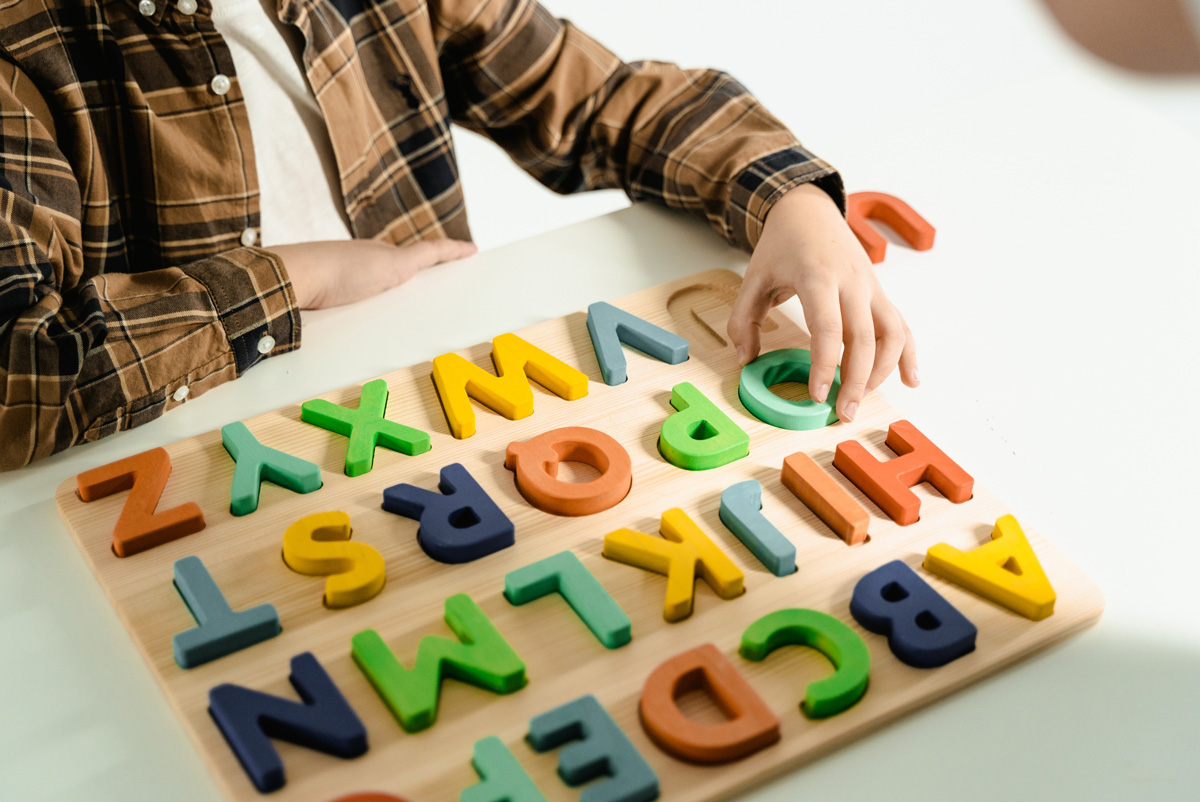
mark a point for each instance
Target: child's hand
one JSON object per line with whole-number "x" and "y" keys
{"x": 807, "y": 250}
{"x": 336, "y": 272}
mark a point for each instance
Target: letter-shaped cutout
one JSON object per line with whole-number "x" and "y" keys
{"x": 564, "y": 574}
{"x": 319, "y": 545}
{"x": 741, "y": 512}
{"x": 255, "y": 463}
{"x": 912, "y": 228}
{"x": 600, "y": 748}
{"x": 365, "y": 426}
{"x": 535, "y": 465}
{"x": 323, "y": 721}
{"x": 786, "y": 365}
{"x": 139, "y": 527}
{"x": 682, "y": 553}
{"x": 458, "y": 525}
{"x": 839, "y": 643}
{"x": 825, "y": 497}
{"x": 501, "y": 777}
{"x": 887, "y": 483}
{"x": 508, "y": 392}
{"x": 609, "y": 326}
{"x": 700, "y": 436}
{"x": 219, "y": 630}
{"x": 483, "y": 658}
{"x": 1005, "y": 571}
{"x": 703, "y": 309}
{"x": 750, "y": 724}
{"x": 923, "y": 629}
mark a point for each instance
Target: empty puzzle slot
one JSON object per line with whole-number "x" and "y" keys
{"x": 708, "y": 306}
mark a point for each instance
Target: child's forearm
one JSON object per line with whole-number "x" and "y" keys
{"x": 575, "y": 116}
{"x": 336, "y": 272}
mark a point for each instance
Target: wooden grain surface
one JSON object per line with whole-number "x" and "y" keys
{"x": 563, "y": 659}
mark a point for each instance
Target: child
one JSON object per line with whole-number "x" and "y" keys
{"x": 144, "y": 257}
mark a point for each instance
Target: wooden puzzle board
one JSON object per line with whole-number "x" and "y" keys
{"x": 563, "y": 659}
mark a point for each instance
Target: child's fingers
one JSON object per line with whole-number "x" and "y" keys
{"x": 750, "y": 308}
{"x": 908, "y": 358}
{"x": 859, "y": 337}
{"x": 889, "y": 342}
{"x": 825, "y": 324}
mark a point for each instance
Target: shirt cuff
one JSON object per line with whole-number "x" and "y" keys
{"x": 764, "y": 181}
{"x": 254, "y": 301}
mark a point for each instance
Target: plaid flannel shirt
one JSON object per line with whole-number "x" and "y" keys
{"x": 127, "y": 179}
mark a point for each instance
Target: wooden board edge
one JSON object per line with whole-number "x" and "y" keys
{"x": 834, "y": 744}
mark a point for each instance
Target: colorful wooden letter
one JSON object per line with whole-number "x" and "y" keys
{"x": 609, "y": 326}
{"x": 255, "y": 463}
{"x": 501, "y": 778}
{"x": 508, "y": 392}
{"x": 601, "y": 749}
{"x": 565, "y": 575}
{"x": 457, "y": 525}
{"x": 700, "y": 436}
{"x": 825, "y": 497}
{"x": 887, "y": 483}
{"x": 365, "y": 427}
{"x": 786, "y": 365}
{"x": 139, "y": 527}
{"x": 864, "y": 206}
{"x": 318, "y": 545}
{"x": 1005, "y": 571}
{"x": 323, "y": 721}
{"x": 682, "y": 553}
{"x": 839, "y": 643}
{"x": 923, "y": 629}
{"x": 751, "y": 725}
{"x": 483, "y": 658}
{"x": 219, "y": 631}
{"x": 741, "y": 512}
{"x": 535, "y": 465}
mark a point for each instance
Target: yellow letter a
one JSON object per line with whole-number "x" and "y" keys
{"x": 508, "y": 392}
{"x": 1005, "y": 571}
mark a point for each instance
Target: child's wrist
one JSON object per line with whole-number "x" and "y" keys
{"x": 806, "y": 195}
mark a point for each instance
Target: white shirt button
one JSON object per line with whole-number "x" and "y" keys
{"x": 266, "y": 344}
{"x": 249, "y": 236}
{"x": 220, "y": 83}
{"x": 147, "y": 8}
{"x": 181, "y": 393}
{"x": 187, "y": 7}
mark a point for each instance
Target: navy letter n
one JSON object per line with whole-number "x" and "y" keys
{"x": 323, "y": 720}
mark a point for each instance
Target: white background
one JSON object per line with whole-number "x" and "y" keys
{"x": 1055, "y": 317}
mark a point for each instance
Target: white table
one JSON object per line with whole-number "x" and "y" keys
{"x": 1057, "y": 351}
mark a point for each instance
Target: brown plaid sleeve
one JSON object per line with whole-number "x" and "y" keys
{"x": 576, "y": 117}
{"x": 86, "y": 353}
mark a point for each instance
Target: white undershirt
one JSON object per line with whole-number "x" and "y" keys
{"x": 301, "y": 198}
